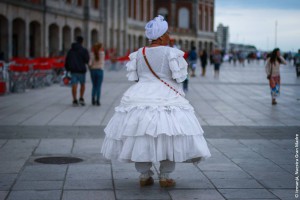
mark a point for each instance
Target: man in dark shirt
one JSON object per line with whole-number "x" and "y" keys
{"x": 76, "y": 61}
{"x": 192, "y": 60}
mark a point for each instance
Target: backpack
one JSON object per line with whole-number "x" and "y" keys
{"x": 192, "y": 55}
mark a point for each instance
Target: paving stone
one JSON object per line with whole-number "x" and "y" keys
{"x": 208, "y": 194}
{"x": 43, "y": 173}
{"x": 236, "y": 183}
{"x": 117, "y": 166}
{"x": 284, "y": 194}
{"x": 3, "y": 195}
{"x": 24, "y": 146}
{"x": 54, "y": 146}
{"x": 2, "y": 142}
{"x": 193, "y": 183}
{"x": 278, "y": 183}
{"x": 265, "y": 174}
{"x": 142, "y": 193}
{"x": 246, "y": 193}
{"x": 289, "y": 168}
{"x": 186, "y": 175}
{"x": 11, "y": 166}
{"x": 126, "y": 174}
{"x": 30, "y": 195}
{"x": 219, "y": 167}
{"x": 87, "y": 172}
{"x": 89, "y": 146}
{"x": 88, "y": 195}
{"x": 38, "y": 185}
{"x": 6, "y": 181}
{"x": 226, "y": 175}
{"x": 129, "y": 184}
{"x": 93, "y": 184}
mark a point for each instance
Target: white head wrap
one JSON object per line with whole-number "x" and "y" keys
{"x": 156, "y": 28}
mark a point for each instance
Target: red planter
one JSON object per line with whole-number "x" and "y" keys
{"x": 2, "y": 87}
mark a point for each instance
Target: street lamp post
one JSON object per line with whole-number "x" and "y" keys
{"x": 276, "y": 24}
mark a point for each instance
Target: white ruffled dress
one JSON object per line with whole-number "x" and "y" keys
{"x": 152, "y": 122}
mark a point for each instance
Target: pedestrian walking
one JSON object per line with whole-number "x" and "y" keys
{"x": 297, "y": 63}
{"x": 273, "y": 73}
{"x": 113, "y": 60}
{"x": 185, "y": 83}
{"x": 96, "y": 65}
{"x": 203, "y": 58}
{"x": 192, "y": 59}
{"x": 154, "y": 122}
{"x": 217, "y": 60}
{"x": 76, "y": 61}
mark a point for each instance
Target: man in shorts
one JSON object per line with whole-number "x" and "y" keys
{"x": 76, "y": 62}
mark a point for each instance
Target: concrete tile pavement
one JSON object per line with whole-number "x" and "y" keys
{"x": 252, "y": 143}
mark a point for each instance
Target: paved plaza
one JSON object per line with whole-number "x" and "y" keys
{"x": 252, "y": 142}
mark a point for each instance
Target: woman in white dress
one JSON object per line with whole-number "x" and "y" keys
{"x": 154, "y": 122}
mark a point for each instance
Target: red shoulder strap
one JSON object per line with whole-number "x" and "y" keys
{"x": 150, "y": 68}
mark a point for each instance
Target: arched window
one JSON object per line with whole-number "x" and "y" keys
{"x": 183, "y": 18}
{"x": 163, "y": 12}
{"x": 79, "y": 2}
{"x": 95, "y": 4}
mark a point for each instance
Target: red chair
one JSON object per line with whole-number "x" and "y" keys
{"x": 2, "y": 80}
{"x": 58, "y": 69}
{"x": 42, "y": 74}
{"x": 18, "y": 77}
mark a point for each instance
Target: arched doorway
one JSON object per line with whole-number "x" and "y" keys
{"x": 77, "y": 32}
{"x": 53, "y": 40}
{"x": 94, "y": 37}
{"x": 35, "y": 39}
{"x": 192, "y": 44}
{"x": 129, "y": 43}
{"x": 180, "y": 44}
{"x": 186, "y": 45}
{"x": 18, "y": 38}
{"x": 134, "y": 43}
{"x": 66, "y": 38}
{"x": 3, "y": 37}
{"x": 140, "y": 42}
{"x": 211, "y": 46}
{"x": 200, "y": 45}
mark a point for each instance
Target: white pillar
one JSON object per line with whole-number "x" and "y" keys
{"x": 60, "y": 37}
{"x": 203, "y": 17}
{"x": 209, "y": 19}
{"x": 46, "y": 29}
{"x": 138, "y": 10}
{"x": 27, "y": 38}
{"x": 132, "y": 9}
{"x": 196, "y": 15}
{"x": 72, "y": 34}
{"x": 10, "y": 38}
{"x": 145, "y": 10}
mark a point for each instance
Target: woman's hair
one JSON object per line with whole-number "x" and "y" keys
{"x": 96, "y": 48}
{"x": 274, "y": 57}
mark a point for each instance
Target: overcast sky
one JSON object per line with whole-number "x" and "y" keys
{"x": 253, "y": 22}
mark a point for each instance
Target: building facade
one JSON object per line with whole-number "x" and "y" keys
{"x": 34, "y": 28}
{"x": 191, "y": 22}
{"x": 222, "y": 37}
